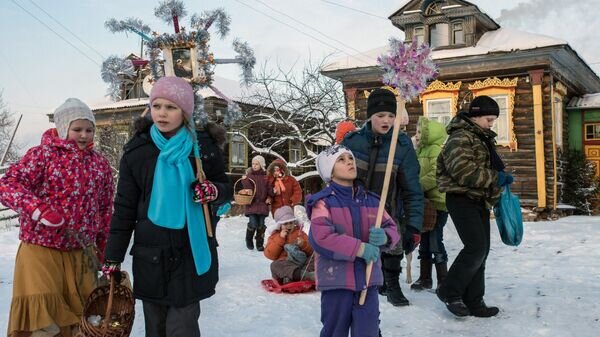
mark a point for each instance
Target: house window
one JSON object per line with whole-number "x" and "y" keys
{"x": 592, "y": 131}
{"x": 434, "y": 8}
{"x": 458, "y": 35}
{"x": 237, "y": 152}
{"x": 419, "y": 34}
{"x": 501, "y": 126}
{"x": 439, "y": 110}
{"x": 439, "y": 35}
{"x": 558, "y": 120}
{"x": 295, "y": 151}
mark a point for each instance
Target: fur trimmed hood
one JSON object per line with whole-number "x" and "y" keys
{"x": 214, "y": 130}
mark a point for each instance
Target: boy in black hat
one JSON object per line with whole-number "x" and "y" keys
{"x": 371, "y": 146}
{"x": 472, "y": 174}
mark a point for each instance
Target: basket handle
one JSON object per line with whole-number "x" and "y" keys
{"x": 107, "y": 316}
{"x": 253, "y": 183}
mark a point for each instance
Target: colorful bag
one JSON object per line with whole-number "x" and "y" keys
{"x": 429, "y": 216}
{"x": 509, "y": 218}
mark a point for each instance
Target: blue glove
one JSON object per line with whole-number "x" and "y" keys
{"x": 377, "y": 236}
{"x": 370, "y": 252}
{"x": 504, "y": 179}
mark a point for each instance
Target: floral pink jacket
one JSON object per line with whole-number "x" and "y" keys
{"x": 75, "y": 183}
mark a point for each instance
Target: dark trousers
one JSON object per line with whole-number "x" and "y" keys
{"x": 256, "y": 220}
{"x": 167, "y": 321}
{"x": 466, "y": 277}
{"x": 340, "y": 313}
{"x": 432, "y": 243}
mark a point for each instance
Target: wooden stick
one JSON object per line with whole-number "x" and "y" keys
{"x": 386, "y": 185}
{"x": 107, "y": 318}
{"x": 201, "y": 178}
{"x": 409, "y": 267}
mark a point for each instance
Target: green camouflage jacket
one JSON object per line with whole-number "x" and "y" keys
{"x": 464, "y": 164}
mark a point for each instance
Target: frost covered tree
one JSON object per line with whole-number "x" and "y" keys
{"x": 286, "y": 107}
{"x": 581, "y": 185}
{"x": 7, "y": 125}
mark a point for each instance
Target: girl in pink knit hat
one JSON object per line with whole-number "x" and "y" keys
{"x": 174, "y": 258}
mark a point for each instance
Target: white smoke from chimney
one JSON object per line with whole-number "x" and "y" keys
{"x": 575, "y": 21}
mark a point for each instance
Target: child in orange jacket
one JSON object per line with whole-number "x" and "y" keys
{"x": 289, "y": 249}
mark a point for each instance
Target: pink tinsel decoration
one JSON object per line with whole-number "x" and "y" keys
{"x": 408, "y": 67}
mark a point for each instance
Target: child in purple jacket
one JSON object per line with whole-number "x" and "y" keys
{"x": 344, "y": 238}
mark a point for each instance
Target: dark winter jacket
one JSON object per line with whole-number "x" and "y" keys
{"x": 464, "y": 165}
{"x": 292, "y": 195}
{"x": 263, "y": 191}
{"x": 433, "y": 135}
{"x": 404, "y": 188}
{"x": 163, "y": 266}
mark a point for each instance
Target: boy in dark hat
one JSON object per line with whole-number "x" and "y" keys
{"x": 472, "y": 174}
{"x": 371, "y": 146}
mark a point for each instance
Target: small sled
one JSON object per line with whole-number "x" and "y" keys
{"x": 273, "y": 286}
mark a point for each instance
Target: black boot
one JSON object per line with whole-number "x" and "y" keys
{"x": 441, "y": 271}
{"x": 482, "y": 310}
{"x": 424, "y": 281}
{"x": 249, "y": 235}
{"x": 391, "y": 274}
{"x": 260, "y": 238}
{"x": 455, "y": 305}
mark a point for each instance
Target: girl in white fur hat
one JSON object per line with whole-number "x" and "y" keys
{"x": 62, "y": 190}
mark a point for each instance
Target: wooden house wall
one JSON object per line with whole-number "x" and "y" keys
{"x": 522, "y": 161}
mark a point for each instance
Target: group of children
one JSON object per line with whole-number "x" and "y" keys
{"x": 71, "y": 227}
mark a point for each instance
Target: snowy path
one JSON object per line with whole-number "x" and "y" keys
{"x": 549, "y": 286}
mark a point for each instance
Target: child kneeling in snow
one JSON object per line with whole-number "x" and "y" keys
{"x": 343, "y": 235}
{"x": 289, "y": 249}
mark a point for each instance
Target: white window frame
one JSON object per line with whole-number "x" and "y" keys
{"x": 237, "y": 151}
{"x": 295, "y": 152}
{"x": 503, "y": 137}
{"x": 439, "y": 116}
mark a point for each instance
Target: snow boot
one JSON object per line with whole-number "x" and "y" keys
{"x": 424, "y": 281}
{"x": 482, "y": 310}
{"x": 260, "y": 238}
{"x": 455, "y": 305}
{"x": 391, "y": 274}
{"x": 249, "y": 236}
{"x": 441, "y": 271}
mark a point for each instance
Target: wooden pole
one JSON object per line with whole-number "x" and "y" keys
{"x": 204, "y": 206}
{"x": 384, "y": 190}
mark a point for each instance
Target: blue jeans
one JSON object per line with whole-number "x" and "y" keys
{"x": 432, "y": 243}
{"x": 256, "y": 221}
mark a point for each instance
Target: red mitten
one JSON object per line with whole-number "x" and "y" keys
{"x": 47, "y": 216}
{"x": 204, "y": 192}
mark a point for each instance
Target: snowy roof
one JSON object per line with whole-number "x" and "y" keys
{"x": 231, "y": 89}
{"x": 499, "y": 40}
{"x": 586, "y": 101}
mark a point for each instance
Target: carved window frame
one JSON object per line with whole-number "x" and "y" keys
{"x": 495, "y": 87}
{"x": 437, "y": 90}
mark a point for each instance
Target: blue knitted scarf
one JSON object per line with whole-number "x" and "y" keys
{"x": 171, "y": 204}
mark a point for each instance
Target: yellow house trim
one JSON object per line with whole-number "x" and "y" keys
{"x": 494, "y": 82}
{"x": 538, "y": 122}
{"x": 440, "y": 90}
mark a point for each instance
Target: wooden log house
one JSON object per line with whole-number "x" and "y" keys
{"x": 532, "y": 77}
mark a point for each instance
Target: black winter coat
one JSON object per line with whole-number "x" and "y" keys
{"x": 163, "y": 266}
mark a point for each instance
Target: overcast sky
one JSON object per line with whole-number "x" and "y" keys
{"x": 39, "y": 69}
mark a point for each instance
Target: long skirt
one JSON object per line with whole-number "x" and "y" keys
{"x": 50, "y": 287}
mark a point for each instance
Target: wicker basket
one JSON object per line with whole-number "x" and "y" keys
{"x": 116, "y": 304}
{"x": 244, "y": 199}
{"x": 429, "y": 216}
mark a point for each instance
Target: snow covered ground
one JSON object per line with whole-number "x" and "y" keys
{"x": 549, "y": 286}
